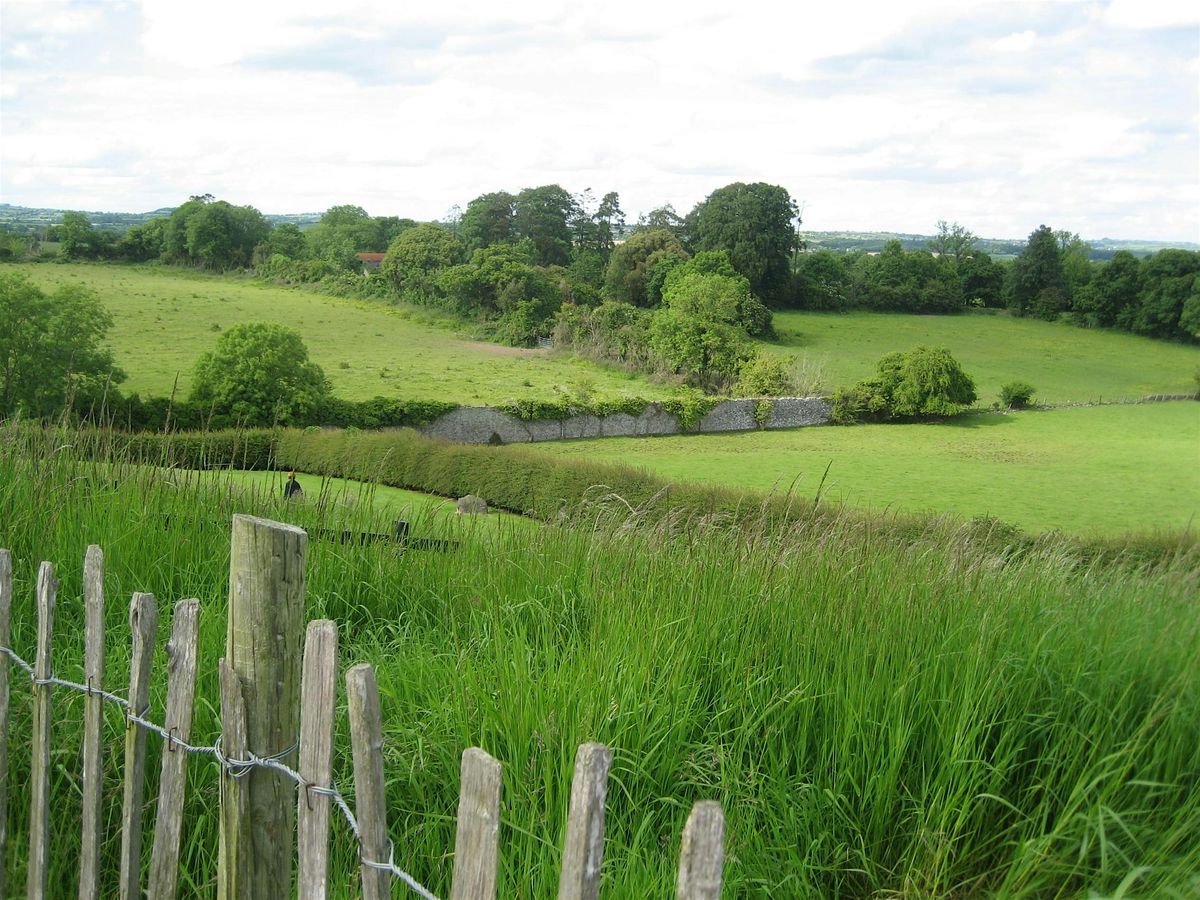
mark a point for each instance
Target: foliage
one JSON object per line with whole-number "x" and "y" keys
{"x": 51, "y": 351}
{"x": 260, "y": 374}
{"x": 764, "y": 375}
{"x": 630, "y": 265}
{"x": 913, "y": 282}
{"x": 418, "y": 255}
{"x": 953, "y": 241}
{"x": 707, "y": 285}
{"x": 822, "y": 281}
{"x": 1036, "y": 283}
{"x": 921, "y": 382}
{"x": 756, "y": 225}
{"x": 543, "y": 216}
{"x": 213, "y": 234}
{"x": 1016, "y": 395}
{"x": 762, "y": 412}
{"x": 489, "y": 219}
{"x": 697, "y": 335}
{"x": 690, "y": 407}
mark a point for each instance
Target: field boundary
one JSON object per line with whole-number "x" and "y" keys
{"x": 489, "y": 425}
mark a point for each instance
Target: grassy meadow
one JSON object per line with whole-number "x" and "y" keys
{"x": 876, "y": 719}
{"x": 1088, "y": 470}
{"x": 164, "y": 318}
{"x": 1064, "y": 363}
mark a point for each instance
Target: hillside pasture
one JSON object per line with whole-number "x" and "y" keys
{"x": 1093, "y": 470}
{"x": 1064, "y": 363}
{"x": 876, "y": 720}
{"x": 164, "y": 318}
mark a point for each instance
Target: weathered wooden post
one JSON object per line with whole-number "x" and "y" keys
{"x": 93, "y": 723}
{"x": 5, "y": 629}
{"x": 262, "y": 646}
{"x": 583, "y": 852}
{"x": 39, "y": 778}
{"x": 477, "y": 844}
{"x": 702, "y": 853}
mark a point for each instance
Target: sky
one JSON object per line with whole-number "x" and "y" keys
{"x": 875, "y": 116}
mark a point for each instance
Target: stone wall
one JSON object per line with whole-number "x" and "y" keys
{"x": 485, "y": 425}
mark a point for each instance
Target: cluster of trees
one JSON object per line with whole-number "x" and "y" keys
{"x": 51, "y": 349}
{"x": 1159, "y": 296}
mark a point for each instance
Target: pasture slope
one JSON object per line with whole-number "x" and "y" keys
{"x": 164, "y": 318}
{"x": 1094, "y": 470}
{"x": 876, "y": 719}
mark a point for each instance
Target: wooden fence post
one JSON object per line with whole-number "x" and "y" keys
{"x": 476, "y": 846}
{"x": 233, "y": 849}
{"x": 172, "y": 784}
{"x": 93, "y": 720}
{"x": 702, "y": 854}
{"x": 39, "y": 809}
{"x": 318, "y": 700}
{"x": 5, "y": 636}
{"x": 266, "y": 620}
{"x": 583, "y": 852}
{"x": 366, "y": 737}
{"x": 143, "y": 622}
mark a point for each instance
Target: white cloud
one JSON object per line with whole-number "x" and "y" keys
{"x": 885, "y": 117}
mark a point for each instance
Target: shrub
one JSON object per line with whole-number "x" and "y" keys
{"x": 1016, "y": 394}
{"x": 924, "y": 381}
{"x": 765, "y": 375}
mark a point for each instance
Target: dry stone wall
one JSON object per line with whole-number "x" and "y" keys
{"x": 485, "y": 425}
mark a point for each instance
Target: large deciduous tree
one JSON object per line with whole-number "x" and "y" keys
{"x": 756, "y": 225}
{"x": 415, "y": 258}
{"x": 1036, "y": 284}
{"x": 488, "y": 220}
{"x": 51, "y": 350}
{"x": 544, "y": 215}
{"x": 260, "y": 374}
{"x": 629, "y": 266}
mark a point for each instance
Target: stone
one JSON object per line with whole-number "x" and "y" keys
{"x": 471, "y": 505}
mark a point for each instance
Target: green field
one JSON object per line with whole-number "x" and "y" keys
{"x": 877, "y": 720}
{"x": 1094, "y": 470}
{"x": 165, "y": 318}
{"x": 1064, "y": 363}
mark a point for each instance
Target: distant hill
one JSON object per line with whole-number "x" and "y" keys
{"x": 997, "y": 248}
{"x": 27, "y": 218}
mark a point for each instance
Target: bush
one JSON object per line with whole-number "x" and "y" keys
{"x": 765, "y": 375}
{"x": 1016, "y": 394}
{"x": 922, "y": 382}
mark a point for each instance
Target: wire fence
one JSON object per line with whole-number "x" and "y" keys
{"x": 237, "y": 768}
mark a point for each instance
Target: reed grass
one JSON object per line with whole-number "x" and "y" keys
{"x": 877, "y": 718}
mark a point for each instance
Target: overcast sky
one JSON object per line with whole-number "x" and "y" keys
{"x": 889, "y": 116}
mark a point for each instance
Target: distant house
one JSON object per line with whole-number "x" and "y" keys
{"x": 370, "y": 261}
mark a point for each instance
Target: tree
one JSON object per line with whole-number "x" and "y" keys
{"x": 543, "y": 215}
{"x": 711, "y": 273}
{"x": 953, "y": 241}
{"x": 1036, "y": 283}
{"x": 488, "y": 220}
{"x": 51, "y": 353}
{"x": 664, "y": 217}
{"x": 756, "y": 225}
{"x": 822, "y": 281}
{"x": 628, "y": 267}
{"x": 260, "y": 374}
{"x": 1111, "y": 297}
{"x": 923, "y": 381}
{"x": 415, "y": 257}
{"x": 981, "y": 278}
{"x": 1169, "y": 282}
{"x": 77, "y": 239}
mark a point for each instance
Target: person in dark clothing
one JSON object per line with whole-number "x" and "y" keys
{"x": 292, "y": 487}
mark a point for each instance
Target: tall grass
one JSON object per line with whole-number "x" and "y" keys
{"x": 877, "y": 719}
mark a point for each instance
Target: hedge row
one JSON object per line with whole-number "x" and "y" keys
{"x": 523, "y": 481}
{"x": 132, "y": 413}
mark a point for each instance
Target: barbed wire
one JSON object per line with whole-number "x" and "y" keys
{"x": 237, "y": 768}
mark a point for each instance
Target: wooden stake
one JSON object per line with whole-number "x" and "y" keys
{"x": 93, "y": 721}
{"x": 172, "y": 784}
{"x": 233, "y": 860}
{"x": 583, "y": 853}
{"x": 366, "y": 737}
{"x": 318, "y": 700}
{"x": 39, "y": 809}
{"x": 477, "y": 844}
{"x": 143, "y": 623}
{"x": 702, "y": 855}
{"x": 5, "y": 637}
{"x": 266, "y": 620}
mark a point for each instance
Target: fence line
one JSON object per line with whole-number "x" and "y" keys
{"x": 236, "y": 768}
{"x": 260, "y": 584}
